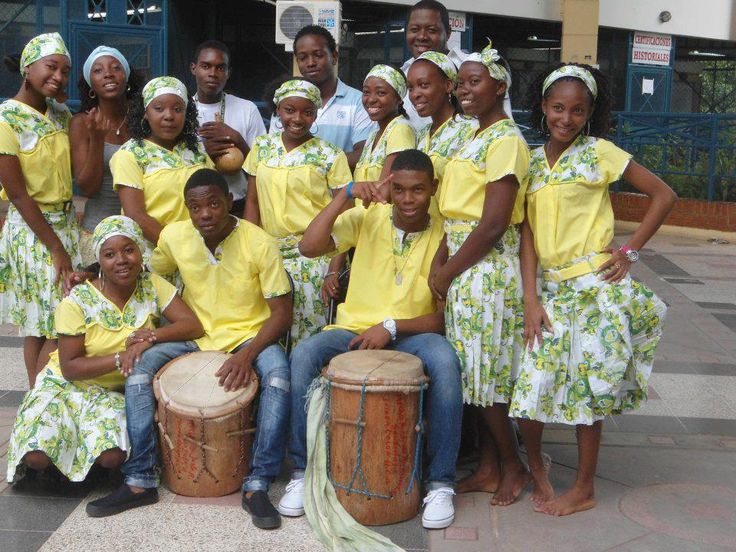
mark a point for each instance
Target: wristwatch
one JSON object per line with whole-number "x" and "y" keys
{"x": 390, "y": 326}
{"x": 631, "y": 254}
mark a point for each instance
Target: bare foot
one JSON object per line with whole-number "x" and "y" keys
{"x": 574, "y": 500}
{"x": 543, "y": 490}
{"x": 483, "y": 480}
{"x": 513, "y": 481}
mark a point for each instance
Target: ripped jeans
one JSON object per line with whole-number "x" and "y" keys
{"x": 272, "y": 368}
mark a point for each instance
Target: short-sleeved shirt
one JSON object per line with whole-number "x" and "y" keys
{"x": 497, "y": 151}
{"x": 398, "y": 136}
{"x": 568, "y": 205}
{"x": 41, "y": 144}
{"x": 227, "y": 290}
{"x": 454, "y": 133}
{"x": 342, "y": 121}
{"x": 382, "y": 251}
{"x": 243, "y": 116}
{"x": 86, "y": 311}
{"x": 160, "y": 174}
{"x": 294, "y": 186}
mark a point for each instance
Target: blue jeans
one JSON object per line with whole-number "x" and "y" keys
{"x": 269, "y": 445}
{"x": 444, "y": 404}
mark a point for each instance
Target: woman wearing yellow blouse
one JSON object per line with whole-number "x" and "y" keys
{"x": 149, "y": 170}
{"x": 291, "y": 178}
{"x": 75, "y": 415}
{"x": 601, "y": 327}
{"x": 383, "y": 90}
{"x": 39, "y": 241}
{"x": 482, "y": 200}
{"x": 432, "y": 79}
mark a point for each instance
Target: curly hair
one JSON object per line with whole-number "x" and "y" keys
{"x": 135, "y": 85}
{"x": 140, "y": 129}
{"x": 600, "y": 121}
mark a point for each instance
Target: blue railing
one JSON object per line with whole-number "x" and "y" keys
{"x": 694, "y": 153}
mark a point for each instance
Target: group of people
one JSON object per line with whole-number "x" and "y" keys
{"x": 492, "y": 264}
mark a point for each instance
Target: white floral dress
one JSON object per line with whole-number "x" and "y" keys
{"x": 73, "y": 422}
{"x": 598, "y": 358}
{"x": 28, "y": 292}
{"x": 484, "y": 312}
{"x": 293, "y": 187}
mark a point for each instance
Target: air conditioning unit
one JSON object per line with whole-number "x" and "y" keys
{"x": 292, "y": 15}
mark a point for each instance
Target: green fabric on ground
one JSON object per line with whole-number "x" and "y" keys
{"x": 333, "y": 526}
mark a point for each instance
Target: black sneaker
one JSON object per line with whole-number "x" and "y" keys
{"x": 261, "y": 511}
{"x": 120, "y": 500}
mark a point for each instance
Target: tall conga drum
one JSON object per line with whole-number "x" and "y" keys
{"x": 374, "y": 434}
{"x": 205, "y": 432}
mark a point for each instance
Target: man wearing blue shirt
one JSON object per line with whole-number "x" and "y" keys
{"x": 342, "y": 119}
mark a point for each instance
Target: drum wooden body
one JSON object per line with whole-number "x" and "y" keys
{"x": 373, "y": 455}
{"x": 205, "y": 433}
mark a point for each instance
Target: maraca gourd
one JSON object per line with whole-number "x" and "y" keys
{"x": 231, "y": 160}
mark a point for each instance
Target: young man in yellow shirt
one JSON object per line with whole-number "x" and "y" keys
{"x": 389, "y": 306}
{"x": 235, "y": 283}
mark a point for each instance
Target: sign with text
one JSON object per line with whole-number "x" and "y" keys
{"x": 457, "y": 22}
{"x": 651, "y": 49}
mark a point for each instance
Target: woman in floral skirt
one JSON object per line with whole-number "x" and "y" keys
{"x": 74, "y": 417}
{"x": 39, "y": 243}
{"x": 591, "y": 335}
{"x": 291, "y": 178}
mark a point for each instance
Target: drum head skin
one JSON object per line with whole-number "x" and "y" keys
{"x": 376, "y": 367}
{"x": 188, "y": 385}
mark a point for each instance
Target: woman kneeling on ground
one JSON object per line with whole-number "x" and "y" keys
{"x": 74, "y": 417}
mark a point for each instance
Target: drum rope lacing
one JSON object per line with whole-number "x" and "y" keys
{"x": 360, "y": 424}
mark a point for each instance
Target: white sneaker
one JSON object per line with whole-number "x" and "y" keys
{"x": 439, "y": 511}
{"x": 292, "y": 503}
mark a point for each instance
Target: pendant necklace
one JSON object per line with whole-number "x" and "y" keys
{"x": 117, "y": 131}
{"x": 398, "y": 278}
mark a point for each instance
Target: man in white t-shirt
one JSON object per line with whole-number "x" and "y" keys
{"x": 428, "y": 29}
{"x": 239, "y": 123}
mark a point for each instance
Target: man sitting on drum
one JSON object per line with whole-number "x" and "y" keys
{"x": 235, "y": 283}
{"x": 389, "y": 306}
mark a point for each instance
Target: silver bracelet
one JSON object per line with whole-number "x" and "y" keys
{"x": 118, "y": 364}
{"x": 330, "y": 274}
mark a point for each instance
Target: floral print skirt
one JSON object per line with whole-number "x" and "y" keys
{"x": 484, "y": 317}
{"x": 73, "y": 425}
{"x": 307, "y": 276}
{"x": 599, "y": 356}
{"x": 28, "y": 294}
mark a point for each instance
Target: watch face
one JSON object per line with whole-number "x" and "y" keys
{"x": 632, "y": 255}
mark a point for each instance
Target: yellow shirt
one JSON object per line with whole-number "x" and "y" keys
{"x": 398, "y": 136}
{"x": 86, "y": 311}
{"x": 497, "y": 151}
{"x": 161, "y": 175}
{"x": 41, "y": 144}
{"x": 568, "y": 205}
{"x": 380, "y": 254}
{"x": 228, "y": 290}
{"x": 293, "y": 187}
{"x": 453, "y": 134}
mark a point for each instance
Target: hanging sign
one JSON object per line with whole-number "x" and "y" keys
{"x": 651, "y": 49}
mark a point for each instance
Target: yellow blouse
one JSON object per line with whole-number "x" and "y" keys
{"x": 388, "y": 278}
{"x": 160, "y": 173}
{"x": 228, "y": 290}
{"x": 398, "y": 136}
{"x": 453, "y": 134}
{"x": 497, "y": 151}
{"x": 41, "y": 144}
{"x": 568, "y": 205}
{"x": 86, "y": 311}
{"x": 294, "y": 186}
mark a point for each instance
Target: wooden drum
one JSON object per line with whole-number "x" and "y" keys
{"x": 374, "y": 433}
{"x": 205, "y": 433}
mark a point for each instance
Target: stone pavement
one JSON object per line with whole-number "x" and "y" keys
{"x": 666, "y": 476}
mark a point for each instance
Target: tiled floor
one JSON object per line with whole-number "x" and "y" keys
{"x": 664, "y": 478}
